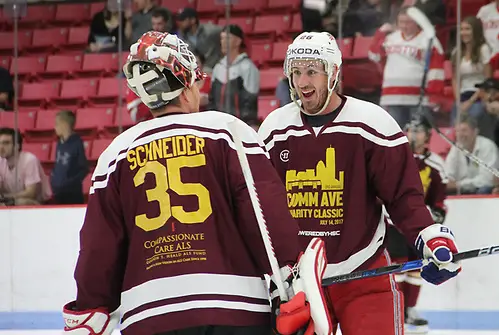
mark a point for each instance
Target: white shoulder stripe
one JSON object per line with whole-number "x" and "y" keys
{"x": 367, "y": 135}
{"x": 284, "y": 137}
{"x": 117, "y": 151}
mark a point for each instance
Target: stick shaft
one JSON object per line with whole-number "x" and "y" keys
{"x": 408, "y": 266}
{"x": 255, "y": 202}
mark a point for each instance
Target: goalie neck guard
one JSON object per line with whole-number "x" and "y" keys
{"x": 310, "y": 47}
{"x": 160, "y": 66}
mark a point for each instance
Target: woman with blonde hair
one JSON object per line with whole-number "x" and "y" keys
{"x": 474, "y": 67}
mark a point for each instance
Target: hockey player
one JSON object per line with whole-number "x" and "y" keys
{"x": 170, "y": 233}
{"x": 434, "y": 180}
{"x": 337, "y": 155}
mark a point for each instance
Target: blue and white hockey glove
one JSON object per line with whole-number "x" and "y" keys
{"x": 436, "y": 245}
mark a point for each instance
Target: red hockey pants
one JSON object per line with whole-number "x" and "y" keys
{"x": 371, "y": 306}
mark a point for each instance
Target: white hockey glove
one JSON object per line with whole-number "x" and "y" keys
{"x": 306, "y": 308}
{"x": 436, "y": 245}
{"x": 90, "y": 322}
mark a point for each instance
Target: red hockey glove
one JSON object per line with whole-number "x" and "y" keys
{"x": 436, "y": 245}
{"x": 90, "y": 322}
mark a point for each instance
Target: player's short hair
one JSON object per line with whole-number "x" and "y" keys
{"x": 469, "y": 120}
{"x": 67, "y": 116}
{"x": 16, "y": 136}
{"x": 161, "y": 12}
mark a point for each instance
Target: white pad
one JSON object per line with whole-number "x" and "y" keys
{"x": 311, "y": 267}
{"x": 89, "y": 322}
{"x": 429, "y": 233}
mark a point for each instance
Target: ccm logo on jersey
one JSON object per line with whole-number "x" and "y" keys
{"x": 303, "y": 51}
{"x": 319, "y": 233}
{"x": 284, "y": 155}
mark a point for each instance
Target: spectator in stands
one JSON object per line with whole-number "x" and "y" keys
{"x": 204, "y": 84}
{"x": 239, "y": 96}
{"x": 139, "y": 22}
{"x": 433, "y": 9}
{"x": 474, "y": 67}
{"x": 104, "y": 31}
{"x": 203, "y": 37}
{"x": 71, "y": 165}
{"x": 162, "y": 20}
{"x": 490, "y": 99}
{"x": 364, "y": 19}
{"x": 31, "y": 186}
{"x": 489, "y": 15}
{"x": 136, "y": 108}
{"x": 282, "y": 92}
{"x": 6, "y": 90}
{"x": 402, "y": 50}
{"x": 465, "y": 176}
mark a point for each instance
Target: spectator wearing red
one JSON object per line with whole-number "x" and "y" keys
{"x": 489, "y": 15}
{"x": 402, "y": 50}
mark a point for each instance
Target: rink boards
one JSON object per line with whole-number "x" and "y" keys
{"x": 39, "y": 246}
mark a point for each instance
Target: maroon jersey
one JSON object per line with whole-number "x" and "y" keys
{"x": 433, "y": 178}
{"x": 334, "y": 174}
{"x": 170, "y": 232}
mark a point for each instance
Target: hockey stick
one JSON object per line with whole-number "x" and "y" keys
{"x": 255, "y": 202}
{"x": 408, "y": 266}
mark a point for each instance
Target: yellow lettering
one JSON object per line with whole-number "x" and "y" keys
{"x": 140, "y": 162}
{"x": 190, "y": 144}
{"x": 324, "y": 200}
{"x": 166, "y": 147}
{"x": 130, "y": 156}
{"x": 156, "y": 150}
{"x": 181, "y": 146}
{"x": 199, "y": 144}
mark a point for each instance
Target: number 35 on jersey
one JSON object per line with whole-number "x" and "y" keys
{"x": 165, "y": 159}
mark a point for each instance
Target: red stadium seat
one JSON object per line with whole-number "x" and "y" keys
{"x": 361, "y": 47}
{"x": 287, "y": 5}
{"x": 109, "y": 90}
{"x": 76, "y": 91}
{"x": 5, "y": 62}
{"x": 96, "y": 7}
{"x": 45, "y": 120}
{"x": 62, "y": 66}
{"x": 266, "y": 106}
{"x": 121, "y": 117}
{"x": 260, "y": 53}
{"x": 40, "y": 150}
{"x": 248, "y": 5}
{"x": 25, "y": 120}
{"x": 98, "y": 146}
{"x": 72, "y": 13}
{"x": 438, "y": 144}
{"x": 346, "y": 47}
{"x": 87, "y": 145}
{"x": 177, "y": 5}
{"x": 39, "y": 93}
{"x": 206, "y": 8}
{"x": 37, "y": 16}
{"x": 48, "y": 40}
{"x": 269, "y": 79}
{"x": 272, "y": 24}
{"x": 29, "y": 67}
{"x": 78, "y": 37}
{"x": 246, "y": 23}
{"x": 296, "y": 24}
{"x": 94, "y": 119}
{"x": 7, "y": 41}
{"x": 279, "y": 52}
{"x": 99, "y": 64}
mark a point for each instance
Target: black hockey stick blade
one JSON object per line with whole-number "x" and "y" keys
{"x": 408, "y": 266}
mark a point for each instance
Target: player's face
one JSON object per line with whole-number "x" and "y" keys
{"x": 466, "y": 135}
{"x": 158, "y": 24}
{"x": 466, "y": 32}
{"x": 310, "y": 82}
{"x": 407, "y": 25}
{"x": 6, "y": 146}
{"x": 418, "y": 137}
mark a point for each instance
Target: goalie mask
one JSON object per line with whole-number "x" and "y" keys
{"x": 151, "y": 58}
{"x": 313, "y": 49}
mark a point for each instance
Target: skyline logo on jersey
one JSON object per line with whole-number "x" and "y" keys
{"x": 317, "y": 193}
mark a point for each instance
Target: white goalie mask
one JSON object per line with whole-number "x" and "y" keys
{"x": 309, "y": 47}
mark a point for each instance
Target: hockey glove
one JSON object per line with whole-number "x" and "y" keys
{"x": 436, "y": 245}
{"x": 305, "y": 312}
{"x": 90, "y": 322}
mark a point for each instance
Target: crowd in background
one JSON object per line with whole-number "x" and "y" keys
{"x": 232, "y": 85}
